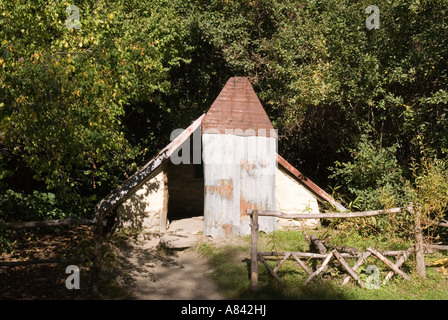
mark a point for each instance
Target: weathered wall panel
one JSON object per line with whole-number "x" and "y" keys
{"x": 143, "y": 207}
{"x": 293, "y": 197}
{"x": 239, "y": 174}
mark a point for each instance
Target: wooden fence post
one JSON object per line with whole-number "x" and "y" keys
{"x": 418, "y": 245}
{"x": 96, "y": 267}
{"x": 254, "y": 250}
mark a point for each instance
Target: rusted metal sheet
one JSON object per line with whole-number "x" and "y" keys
{"x": 224, "y": 188}
{"x": 237, "y": 110}
{"x": 239, "y": 174}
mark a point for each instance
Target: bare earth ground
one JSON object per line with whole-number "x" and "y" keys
{"x": 151, "y": 273}
{"x": 44, "y": 281}
{"x": 144, "y": 271}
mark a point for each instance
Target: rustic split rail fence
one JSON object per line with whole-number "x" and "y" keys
{"x": 400, "y": 256}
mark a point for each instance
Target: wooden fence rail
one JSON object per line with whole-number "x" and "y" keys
{"x": 280, "y": 214}
{"x": 49, "y": 223}
{"x": 98, "y": 223}
{"x": 400, "y": 256}
{"x": 40, "y": 261}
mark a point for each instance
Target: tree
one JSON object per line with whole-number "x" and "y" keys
{"x": 81, "y": 107}
{"x": 64, "y": 89}
{"x": 325, "y": 79}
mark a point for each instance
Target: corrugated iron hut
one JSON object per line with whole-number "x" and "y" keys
{"x": 239, "y": 146}
{"x": 224, "y": 163}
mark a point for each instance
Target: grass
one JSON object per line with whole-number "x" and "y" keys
{"x": 231, "y": 265}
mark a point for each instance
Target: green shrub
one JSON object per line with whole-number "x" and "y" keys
{"x": 376, "y": 181}
{"x": 20, "y": 206}
{"x": 374, "y": 177}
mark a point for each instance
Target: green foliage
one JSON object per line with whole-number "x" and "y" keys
{"x": 80, "y": 109}
{"x": 17, "y": 206}
{"x": 325, "y": 78}
{"x": 430, "y": 192}
{"x": 374, "y": 176}
{"x": 375, "y": 179}
{"x": 63, "y": 91}
{"x": 20, "y": 206}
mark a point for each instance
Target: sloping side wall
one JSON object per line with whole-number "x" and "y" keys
{"x": 144, "y": 206}
{"x": 239, "y": 174}
{"x": 293, "y": 197}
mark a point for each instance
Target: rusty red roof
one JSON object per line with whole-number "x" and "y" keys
{"x": 237, "y": 110}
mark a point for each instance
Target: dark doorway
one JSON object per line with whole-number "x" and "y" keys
{"x": 185, "y": 191}
{"x": 186, "y": 181}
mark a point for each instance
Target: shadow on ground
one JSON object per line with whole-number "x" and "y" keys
{"x": 231, "y": 272}
{"x": 150, "y": 273}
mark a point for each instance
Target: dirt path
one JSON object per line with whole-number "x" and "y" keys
{"x": 152, "y": 274}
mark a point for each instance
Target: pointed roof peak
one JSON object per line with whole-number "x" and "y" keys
{"x": 237, "y": 110}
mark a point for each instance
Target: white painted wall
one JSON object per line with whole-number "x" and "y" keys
{"x": 292, "y": 197}
{"x": 143, "y": 206}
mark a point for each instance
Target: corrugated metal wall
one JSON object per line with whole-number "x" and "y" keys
{"x": 239, "y": 174}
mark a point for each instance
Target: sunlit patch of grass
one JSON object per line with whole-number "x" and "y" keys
{"x": 231, "y": 265}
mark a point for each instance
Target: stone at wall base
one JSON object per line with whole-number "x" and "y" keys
{"x": 177, "y": 241}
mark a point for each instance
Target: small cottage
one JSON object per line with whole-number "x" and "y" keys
{"x": 222, "y": 165}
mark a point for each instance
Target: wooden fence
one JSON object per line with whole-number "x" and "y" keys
{"x": 49, "y": 223}
{"x": 400, "y": 256}
{"x": 97, "y": 223}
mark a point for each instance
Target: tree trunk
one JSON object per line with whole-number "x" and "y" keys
{"x": 96, "y": 266}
